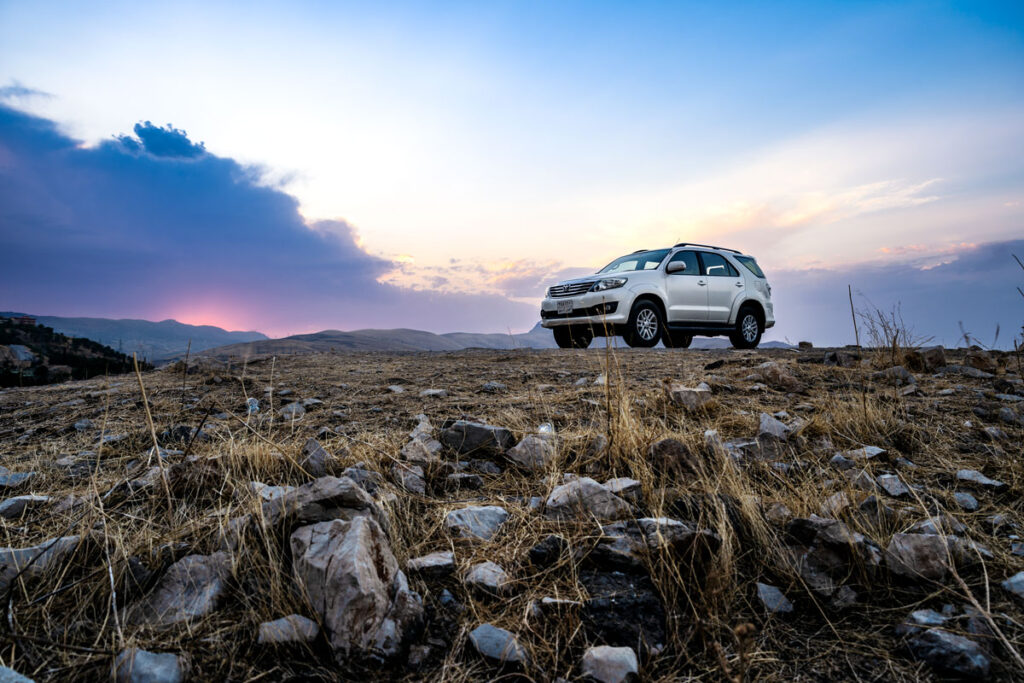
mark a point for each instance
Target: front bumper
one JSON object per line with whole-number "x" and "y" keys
{"x": 596, "y": 308}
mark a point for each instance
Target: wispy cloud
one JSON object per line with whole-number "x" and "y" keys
{"x": 17, "y": 91}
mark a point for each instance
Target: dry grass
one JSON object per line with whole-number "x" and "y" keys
{"x": 68, "y": 624}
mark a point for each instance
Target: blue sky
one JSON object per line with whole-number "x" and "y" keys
{"x": 481, "y": 149}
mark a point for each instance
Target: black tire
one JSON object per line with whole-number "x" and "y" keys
{"x": 676, "y": 340}
{"x": 747, "y": 322}
{"x": 645, "y": 326}
{"x": 573, "y": 337}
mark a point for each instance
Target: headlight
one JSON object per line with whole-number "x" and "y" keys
{"x": 547, "y": 294}
{"x": 608, "y": 283}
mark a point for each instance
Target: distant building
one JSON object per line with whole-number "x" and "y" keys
{"x": 24, "y": 320}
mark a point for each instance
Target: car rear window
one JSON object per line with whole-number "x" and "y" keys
{"x": 751, "y": 265}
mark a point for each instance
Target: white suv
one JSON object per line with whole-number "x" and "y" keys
{"x": 664, "y": 294}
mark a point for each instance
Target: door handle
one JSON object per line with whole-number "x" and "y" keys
{"x": 739, "y": 284}
{"x": 701, "y": 283}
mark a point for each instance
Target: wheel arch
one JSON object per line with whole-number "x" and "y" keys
{"x": 656, "y": 300}
{"x": 758, "y": 311}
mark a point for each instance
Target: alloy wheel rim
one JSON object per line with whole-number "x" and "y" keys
{"x": 750, "y": 328}
{"x": 647, "y": 324}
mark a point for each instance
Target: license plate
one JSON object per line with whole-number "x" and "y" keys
{"x": 564, "y": 306}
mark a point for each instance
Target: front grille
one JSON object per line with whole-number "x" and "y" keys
{"x": 571, "y": 289}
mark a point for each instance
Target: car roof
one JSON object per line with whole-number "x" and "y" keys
{"x": 706, "y": 246}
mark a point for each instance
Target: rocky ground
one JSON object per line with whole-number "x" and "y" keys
{"x": 720, "y": 515}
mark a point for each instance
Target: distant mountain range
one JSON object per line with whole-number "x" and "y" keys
{"x": 154, "y": 341}
{"x": 384, "y": 340}
{"x": 168, "y": 339}
{"x": 415, "y": 340}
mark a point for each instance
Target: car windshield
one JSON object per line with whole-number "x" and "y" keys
{"x": 751, "y": 265}
{"x": 644, "y": 260}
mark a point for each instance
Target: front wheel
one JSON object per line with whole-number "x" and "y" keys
{"x": 748, "y": 330}
{"x": 644, "y": 327}
{"x": 573, "y": 337}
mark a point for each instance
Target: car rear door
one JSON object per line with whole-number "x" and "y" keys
{"x": 687, "y": 290}
{"x": 724, "y": 284}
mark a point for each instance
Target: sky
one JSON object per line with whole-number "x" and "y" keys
{"x": 290, "y": 167}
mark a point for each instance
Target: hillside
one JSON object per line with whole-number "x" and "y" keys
{"x": 36, "y": 354}
{"x": 397, "y": 340}
{"x": 405, "y": 340}
{"x": 154, "y": 341}
{"x": 767, "y": 515}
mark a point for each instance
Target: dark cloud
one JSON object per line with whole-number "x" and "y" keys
{"x": 162, "y": 142}
{"x": 976, "y": 288}
{"x": 16, "y": 91}
{"x": 154, "y": 226}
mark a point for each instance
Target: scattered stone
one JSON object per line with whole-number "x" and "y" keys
{"x": 368, "y": 480}
{"x": 548, "y": 551}
{"x": 396, "y": 389}
{"x": 610, "y": 664}
{"x": 860, "y": 479}
{"x": 772, "y": 428}
{"x": 477, "y": 522}
{"x": 865, "y": 453}
{"x": 893, "y": 485}
{"x": 897, "y": 376}
{"x": 13, "y": 508}
{"x": 434, "y": 393}
{"x": 1015, "y": 585}
{"x": 189, "y": 590}
{"x": 8, "y": 675}
{"x": 535, "y": 452}
{"x": 84, "y": 425}
{"x": 14, "y": 480}
{"x": 979, "y": 479}
{"x": 498, "y": 645}
{"x": 322, "y": 499}
{"x": 625, "y": 488}
{"x": 686, "y": 397}
{"x": 623, "y": 610}
{"x": 463, "y": 481}
{"x": 409, "y": 477}
{"x": 777, "y": 377}
{"x": 140, "y": 666}
{"x": 778, "y": 514}
{"x": 315, "y": 458}
{"x": 920, "y": 556}
{"x": 36, "y": 560}
{"x": 583, "y": 498}
{"x": 966, "y": 501}
{"x": 979, "y": 359}
{"x": 493, "y": 388}
{"x": 804, "y": 346}
{"x": 841, "y": 462}
{"x": 773, "y": 600}
{"x": 490, "y": 578}
{"x": 928, "y": 359}
{"x": 291, "y": 630}
{"x": 292, "y": 411}
{"x": 354, "y": 584}
{"x": 950, "y": 653}
{"x": 940, "y": 524}
{"x": 437, "y": 565}
{"x": 842, "y": 359}
{"x": 465, "y": 437}
{"x": 836, "y": 504}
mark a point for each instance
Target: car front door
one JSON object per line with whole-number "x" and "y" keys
{"x": 687, "y": 290}
{"x": 724, "y": 285}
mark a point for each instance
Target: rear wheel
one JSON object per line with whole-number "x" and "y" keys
{"x": 747, "y": 334}
{"x": 676, "y": 340}
{"x": 573, "y": 336}
{"x": 644, "y": 326}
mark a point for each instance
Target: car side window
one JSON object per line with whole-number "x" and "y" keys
{"x": 690, "y": 259}
{"x": 716, "y": 266}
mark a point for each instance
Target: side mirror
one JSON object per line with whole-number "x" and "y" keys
{"x": 675, "y": 267}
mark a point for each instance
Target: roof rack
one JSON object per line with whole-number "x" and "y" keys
{"x": 706, "y": 246}
{"x": 640, "y": 251}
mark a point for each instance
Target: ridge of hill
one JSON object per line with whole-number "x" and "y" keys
{"x": 154, "y": 341}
